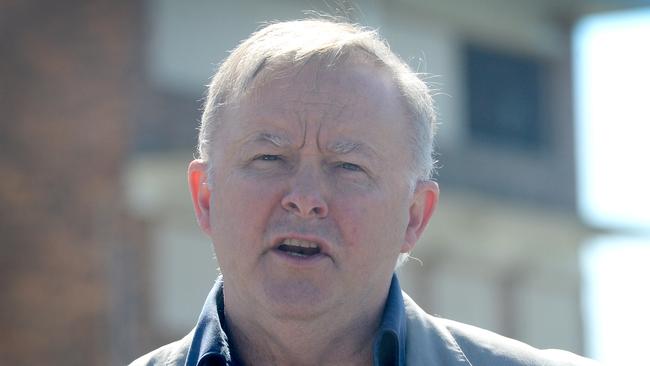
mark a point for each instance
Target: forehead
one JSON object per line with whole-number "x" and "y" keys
{"x": 354, "y": 98}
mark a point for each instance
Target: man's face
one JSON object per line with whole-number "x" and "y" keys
{"x": 311, "y": 201}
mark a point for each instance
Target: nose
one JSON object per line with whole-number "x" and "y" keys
{"x": 304, "y": 197}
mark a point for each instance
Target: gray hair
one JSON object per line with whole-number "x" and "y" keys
{"x": 294, "y": 43}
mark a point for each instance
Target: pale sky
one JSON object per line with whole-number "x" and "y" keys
{"x": 612, "y": 70}
{"x": 613, "y": 118}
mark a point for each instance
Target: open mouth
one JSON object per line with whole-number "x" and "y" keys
{"x": 299, "y": 248}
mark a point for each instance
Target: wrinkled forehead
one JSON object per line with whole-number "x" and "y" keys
{"x": 353, "y": 97}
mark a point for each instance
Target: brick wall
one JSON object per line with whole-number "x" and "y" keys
{"x": 69, "y": 253}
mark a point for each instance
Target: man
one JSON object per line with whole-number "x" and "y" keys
{"x": 313, "y": 183}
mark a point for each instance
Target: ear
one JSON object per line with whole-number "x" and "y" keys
{"x": 197, "y": 176}
{"x": 425, "y": 200}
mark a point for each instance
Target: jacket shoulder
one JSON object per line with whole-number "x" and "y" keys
{"x": 173, "y": 354}
{"x": 453, "y": 343}
{"x": 480, "y": 345}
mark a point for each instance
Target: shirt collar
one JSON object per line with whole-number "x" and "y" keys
{"x": 389, "y": 346}
{"x": 210, "y": 342}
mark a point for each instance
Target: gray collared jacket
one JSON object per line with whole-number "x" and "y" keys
{"x": 430, "y": 341}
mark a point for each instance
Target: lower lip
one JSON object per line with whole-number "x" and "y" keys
{"x": 299, "y": 261}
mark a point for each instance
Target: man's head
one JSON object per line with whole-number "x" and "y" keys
{"x": 313, "y": 177}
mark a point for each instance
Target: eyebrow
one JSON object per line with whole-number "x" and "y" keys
{"x": 277, "y": 140}
{"x": 339, "y": 147}
{"x": 342, "y": 147}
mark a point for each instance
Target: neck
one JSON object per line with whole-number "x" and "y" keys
{"x": 332, "y": 339}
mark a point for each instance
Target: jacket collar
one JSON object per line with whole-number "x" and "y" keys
{"x": 429, "y": 341}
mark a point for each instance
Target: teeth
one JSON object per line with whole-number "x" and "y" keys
{"x": 294, "y": 254}
{"x": 300, "y": 243}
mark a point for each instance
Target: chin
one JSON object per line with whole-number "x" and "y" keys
{"x": 296, "y": 299}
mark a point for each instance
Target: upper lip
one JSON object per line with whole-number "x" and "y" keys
{"x": 323, "y": 245}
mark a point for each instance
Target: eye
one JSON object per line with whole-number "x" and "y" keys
{"x": 268, "y": 157}
{"x": 350, "y": 166}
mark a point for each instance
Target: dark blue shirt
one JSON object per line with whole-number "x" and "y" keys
{"x": 211, "y": 344}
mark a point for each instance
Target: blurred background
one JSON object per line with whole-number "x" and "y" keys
{"x": 543, "y": 230}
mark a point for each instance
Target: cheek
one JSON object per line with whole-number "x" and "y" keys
{"x": 242, "y": 210}
{"x": 372, "y": 226}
